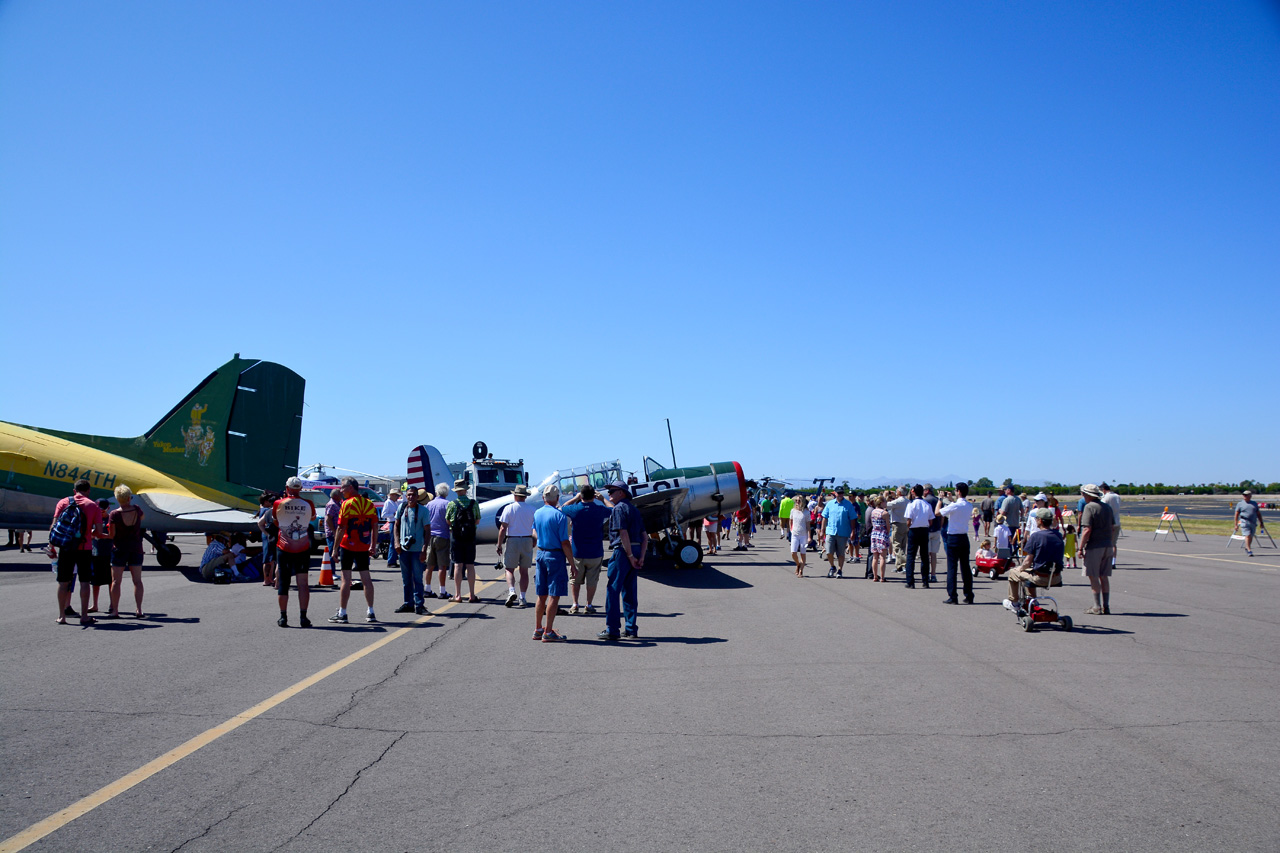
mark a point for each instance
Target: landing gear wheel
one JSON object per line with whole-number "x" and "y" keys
{"x": 1028, "y": 624}
{"x": 1066, "y": 623}
{"x": 168, "y": 556}
{"x": 667, "y": 547}
{"x": 688, "y": 554}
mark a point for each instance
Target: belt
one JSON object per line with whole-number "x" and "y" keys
{"x": 530, "y": 536}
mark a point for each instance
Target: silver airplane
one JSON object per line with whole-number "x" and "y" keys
{"x": 669, "y": 499}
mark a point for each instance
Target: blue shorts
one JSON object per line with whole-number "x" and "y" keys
{"x": 550, "y": 573}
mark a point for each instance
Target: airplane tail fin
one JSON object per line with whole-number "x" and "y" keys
{"x": 428, "y": 468}
{"x": 236, "y": 433}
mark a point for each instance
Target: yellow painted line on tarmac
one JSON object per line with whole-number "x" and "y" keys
{"x": 1263, "y": 566}
{"x": 56, "y": 821}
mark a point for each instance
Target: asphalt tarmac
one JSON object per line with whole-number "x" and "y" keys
{"x": 758, "y": 711}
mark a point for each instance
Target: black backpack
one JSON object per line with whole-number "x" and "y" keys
{"x": 68, "y": 528}
{"x": 463, "y": 525}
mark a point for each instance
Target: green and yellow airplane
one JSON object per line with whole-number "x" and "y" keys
{"x": 200, "y": 469}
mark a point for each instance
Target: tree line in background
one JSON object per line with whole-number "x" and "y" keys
{"x": 982, "y": 485}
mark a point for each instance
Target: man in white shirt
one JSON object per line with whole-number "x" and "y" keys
{"x": 515, "y": 536}
{"x": 1112, "y": 500}
{"x": 898, "y": 525}
{"x": 389, "y": 509}
{"x": 918, "y": 515}
{"x": 958, "y": 514}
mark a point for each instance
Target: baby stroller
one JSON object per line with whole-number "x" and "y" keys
{"x": 1033, "y": 610}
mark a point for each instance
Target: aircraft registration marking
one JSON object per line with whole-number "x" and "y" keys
{"x": 656, "y": 485}
{"x": 66, "y": 471}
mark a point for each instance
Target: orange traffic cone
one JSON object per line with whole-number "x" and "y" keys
{"x": 326, "y": 569}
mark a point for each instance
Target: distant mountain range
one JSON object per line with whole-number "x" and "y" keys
{"x": 871, "y": 482}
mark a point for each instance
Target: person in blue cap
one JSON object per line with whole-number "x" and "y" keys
{"x": 627, "y": 538}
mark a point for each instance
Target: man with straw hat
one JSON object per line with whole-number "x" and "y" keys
{"x": 462, "y": 517}
{"x": 1095, "y": 548}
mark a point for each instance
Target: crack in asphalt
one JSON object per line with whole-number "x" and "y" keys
{"x": 1166, "y": 647}
{"x": 345, "y": 791}
{"x": 365, "y": 690}
{"x": 210, "y": 827}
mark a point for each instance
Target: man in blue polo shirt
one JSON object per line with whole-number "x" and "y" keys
{"x": 587, "y": 532}
{"x": 627, "y": 538}
{"x": 551, "y": 554}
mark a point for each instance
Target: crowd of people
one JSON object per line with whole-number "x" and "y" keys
{"x": 432, "y": 539}
{"x": 1035, "y": 537}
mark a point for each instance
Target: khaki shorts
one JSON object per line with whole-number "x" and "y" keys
{"x": 1097, "y": 562}
{"x": 438, "y": 553}
{"x": 1042, "y": 581}
{"x": 588, "y": 571}
{"x": 1115, "y": 536}
{"x": 518, "y": 553}
{"x": 935, "y": 541}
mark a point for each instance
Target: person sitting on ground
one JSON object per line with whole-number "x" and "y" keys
{"x": 215, "y": 556}
{"x": 1042, "y": 565}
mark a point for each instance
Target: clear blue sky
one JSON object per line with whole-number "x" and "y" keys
{"x": 1027, "y": 239}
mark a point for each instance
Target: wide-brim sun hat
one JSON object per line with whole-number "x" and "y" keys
{"x": 460, "y": 485}
{"x": 619, "y": 486}
{"x": 522, "y": 490}
{"x": 1091, "y": 490}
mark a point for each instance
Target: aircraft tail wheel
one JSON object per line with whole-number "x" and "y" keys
{"x": 688, "y": 554}
{"x": 667, "y": 547}
{"x": 168, "y": 556}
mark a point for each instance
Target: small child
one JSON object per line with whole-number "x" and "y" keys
{"x": 985, "y": 552}
{"x": 976, "y": 520}
{"x": 1002, "y": 538}
{"x": 1069, "y": 545}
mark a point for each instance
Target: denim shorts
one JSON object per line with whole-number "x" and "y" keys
{"x": 550, "y": 574}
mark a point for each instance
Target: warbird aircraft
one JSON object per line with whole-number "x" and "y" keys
{"x": 668, "y": 500}
{"x": 200, "y": 469}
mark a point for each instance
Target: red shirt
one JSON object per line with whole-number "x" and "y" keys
{"x": 293, "y": 515}
{"x": 92, "y": 518}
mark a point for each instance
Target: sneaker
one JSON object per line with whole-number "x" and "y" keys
{"x": 968, "y": 599}
{"x": 551, "y": 636}
{"x": 831, "y": 573}
{"x": 283, "y": 622}
{"x": 304, "y": 622}
{"x": 1007, "y": 604}
{"x": 840, "y": 573}
{"x": 899, "y": 571}
{"x": 1095, "y": 610}
{"x": 575, "y": 610}
{"x": 369, "y": 617}
{"x": 512, "y": 598}
{"x": 1106, "y": 611}
{"x": 590, "y": 609}
{"x": 523, "y": 603}
{"x": 933, "y": 578}
{"x": 1250, "y": 553}
{"x": 338, "y": 619}
{"x": 405, "y": 608}
{"x": 951, "y": 599}
{"x": 421, "y": 611}
{"x": 607, "y": 636}
{"x": 633, "y": 634}
{"x": 537, "y": 634}
{"x": 428, "y": 594}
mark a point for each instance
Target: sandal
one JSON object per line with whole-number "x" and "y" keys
{"x": 457, "y": 599}
{"x": 61, "y": 620}
{"x": 475, "y": 599}
{"x": 111, "y": 614}
{"x": 88, "y": 620}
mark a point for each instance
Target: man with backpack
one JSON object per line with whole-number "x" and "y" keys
{"x": 462, "y": 516}
{"x": 71, "y": 543}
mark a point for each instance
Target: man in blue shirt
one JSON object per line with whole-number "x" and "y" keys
{"x": 839, "y": 513}
{"x": 552, "y": 553}
{"x": 627, "y": 538}
{"x": 411, "y": 534}
{"x": 587, "y": 532}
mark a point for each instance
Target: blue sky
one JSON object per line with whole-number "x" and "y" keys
{"x": 992, "y": 239}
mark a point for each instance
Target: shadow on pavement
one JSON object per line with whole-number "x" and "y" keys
{"x": 648, "y": 642}
{"x": 706, "y": 577}
{"x": 1156, "y": 615}
{"x": 1095, "y": 629}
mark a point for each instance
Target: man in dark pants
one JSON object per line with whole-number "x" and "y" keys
{"x": 958, "y": 514}
{"x": 918, "y": 515}
{"x": 627, "y": 538}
